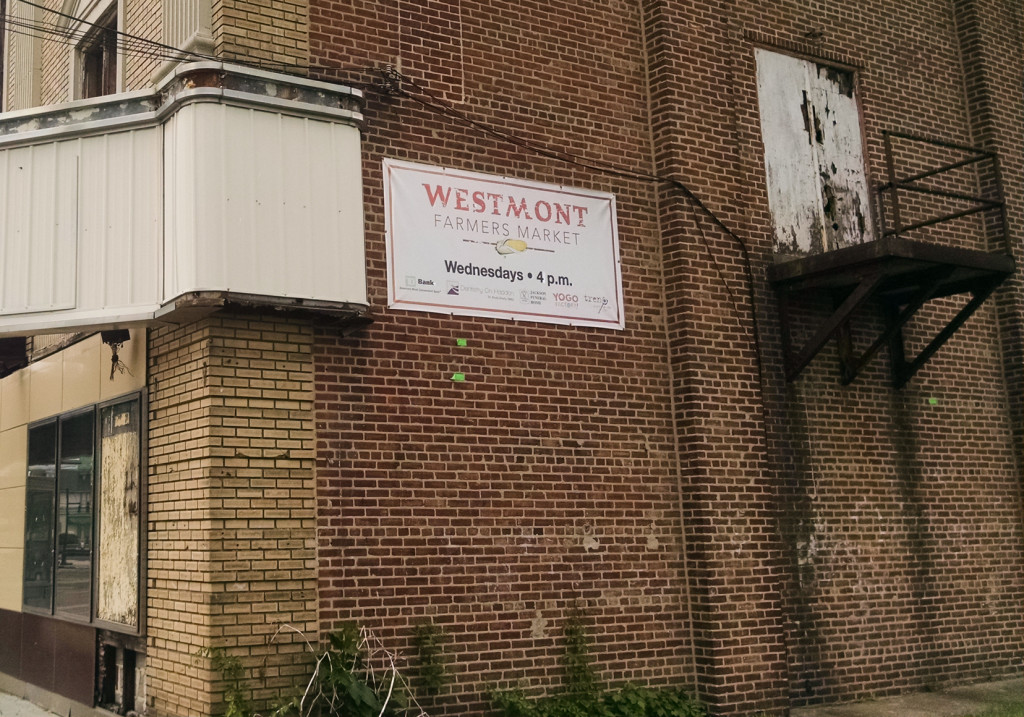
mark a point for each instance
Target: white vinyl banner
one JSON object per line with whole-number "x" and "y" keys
{"x": 481, "y": 245}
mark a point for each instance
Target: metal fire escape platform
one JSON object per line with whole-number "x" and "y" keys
{"x": 899, "y": 273}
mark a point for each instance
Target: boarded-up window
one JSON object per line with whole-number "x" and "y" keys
{"x": 118, "y": 579}
{"x": 814, "y": 160}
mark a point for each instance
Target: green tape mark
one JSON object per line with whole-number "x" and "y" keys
{"x": 458, "y": 377}
{"x": 461, "y": 342}
{"x": 933, "y": 402}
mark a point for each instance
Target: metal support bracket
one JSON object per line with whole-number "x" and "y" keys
{"x": 903, "y": 370}
{"x": 894, "y": 274}
{"x": 898, "y": 274}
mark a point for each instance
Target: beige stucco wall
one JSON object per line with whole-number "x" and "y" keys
{"x": 75, "y": 377}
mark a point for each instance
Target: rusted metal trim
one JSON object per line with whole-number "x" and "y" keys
{"x": 945, "y": 193}
{"x": 818, "y": 270}
{"x": 934, "y": 140}
{"x": 897, "y": 355}
{"x": 891, "y": 169}
{"x": 902, "y": 275}
{"x": 946, "y": 168}
{"x": 844, "y": 340}
{"x": 785, "y": 327}
{"x": 943, "y": 218}
{"x": 1004, "y": 220}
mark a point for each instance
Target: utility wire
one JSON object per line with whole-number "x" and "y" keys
{"x": 131, "y": 45}
{"x": 169, "y": 49}
{"x": 394, "y": 82}
{"x": 138, "y": 45}
{"x": 51, "y": 33}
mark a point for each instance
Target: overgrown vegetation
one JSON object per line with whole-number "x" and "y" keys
{"x": 627, "y": 701}
{"x": 236, "y": 704}
{"x": 429, "y": 639}
{"x": 354, "y": 676}
{"x": 580, "y": 678}
{"x": 582, "y": 694}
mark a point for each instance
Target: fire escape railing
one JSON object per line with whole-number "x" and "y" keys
{"x": 987, "y": 168}
{"x": 897, "y": 272}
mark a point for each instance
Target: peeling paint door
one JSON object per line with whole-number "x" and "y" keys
{"x": 814, "y": 161}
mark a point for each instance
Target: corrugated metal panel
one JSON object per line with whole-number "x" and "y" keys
{"x": 263, "y": 203}
{"x": 110, "y": 211}
{"x": 814, "y": 162}
{"x": 120, "y": 219}
{"x": 81, "y": 224}
{"x": 38, "y": 241}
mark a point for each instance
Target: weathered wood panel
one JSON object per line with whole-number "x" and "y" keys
{"x": 814, "y": 161}
{"x": 118, "y": 584}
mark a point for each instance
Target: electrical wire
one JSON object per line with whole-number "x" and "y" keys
{"x": 169, "y": 50}
{"x": 48, "y": 32}
{"x": 139, "y": 46}
{"x": 394, "y": 82}
{"x": 424, "y": 97}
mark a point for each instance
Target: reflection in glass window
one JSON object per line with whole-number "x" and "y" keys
{"x": 74, "y": 516}
{"x": 42, "y": 459}
{"x": 83, "y": 515}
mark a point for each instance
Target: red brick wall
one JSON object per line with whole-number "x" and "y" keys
{"x": 550, "y": 475}
{"x": 779, "y": 544}
{"x": 901, "y": 519}
{"x": 729, "y": 512}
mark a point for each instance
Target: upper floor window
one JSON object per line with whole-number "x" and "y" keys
{"x": 96, "y": 63}
{"x": 98, "y": 58}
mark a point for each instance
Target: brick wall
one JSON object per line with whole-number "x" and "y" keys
{"x": 773, "y": 543}
{"x": 550, "y": 476}
{"x": 900, "y": 515}
{"x": 274, "y": 33}
{"x": 989, "y": 35}
{"x": 56, "y": 60}
{"x": 231, "y": 546}
{"x": 144, "y": 19}
{"x": 838, "y": 541}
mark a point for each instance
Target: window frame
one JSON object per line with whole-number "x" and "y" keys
{"x": 85, "y": 31}
{"x": 53, "y": 612}
{"x": 140, "y": 567}
{"x": 25, "y": 607}
{"x": 55, "y": 609}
